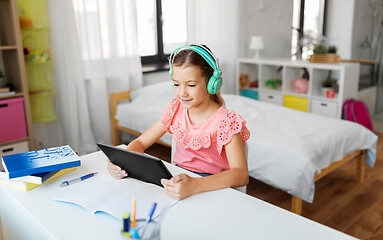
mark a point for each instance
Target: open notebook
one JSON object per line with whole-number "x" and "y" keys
{"x": 103, "y": 193}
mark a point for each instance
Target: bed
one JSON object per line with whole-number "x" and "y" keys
{"x": 287, "y": 149}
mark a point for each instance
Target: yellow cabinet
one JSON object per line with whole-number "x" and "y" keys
{"x": 297, "y": 103}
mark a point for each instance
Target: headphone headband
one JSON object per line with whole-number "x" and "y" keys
{"x": 201, "y": 50}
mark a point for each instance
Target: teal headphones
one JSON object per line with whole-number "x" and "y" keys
{"x": 215, "y": 81}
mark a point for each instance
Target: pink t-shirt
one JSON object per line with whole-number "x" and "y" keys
{"x": 200, "y": 146}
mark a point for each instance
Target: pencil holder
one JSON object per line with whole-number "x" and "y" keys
{"x": 146, "y": 231}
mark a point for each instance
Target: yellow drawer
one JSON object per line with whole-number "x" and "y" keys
{"x": 297, "y": 103}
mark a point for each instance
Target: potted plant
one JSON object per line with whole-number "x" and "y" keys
{"x": 327, "y": 85}
{"x": 319, "y": 49}
{"x": 2, "y": 79}
{"x": 332, "y": 49}
{"x": 323, "y": 54}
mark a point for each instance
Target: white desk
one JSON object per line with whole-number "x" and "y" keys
{"x": 224, "y": 214}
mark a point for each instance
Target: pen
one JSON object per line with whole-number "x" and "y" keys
{"x": 76, "y": 180}
{"x": 149, "y": 219}
{"x": 152, "y": 212}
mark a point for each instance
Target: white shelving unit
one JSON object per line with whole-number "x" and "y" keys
{"x": 346, "y": 75}
{"x": 15, "y": 110}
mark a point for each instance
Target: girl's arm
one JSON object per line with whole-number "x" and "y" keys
{"x": 140, "y": 144}
{"x": 148, "y": 138}
{"x": 182, "y": 186}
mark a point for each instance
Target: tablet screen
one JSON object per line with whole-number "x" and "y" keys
{"x": 139, "y": 166}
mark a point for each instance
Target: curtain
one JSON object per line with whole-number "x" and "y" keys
{"x": 94, "y": 53}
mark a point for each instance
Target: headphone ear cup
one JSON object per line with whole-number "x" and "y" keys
{"x": 210, "y": 85}
{"x": 214, "y": 85}
{"x": 215, "y": 82}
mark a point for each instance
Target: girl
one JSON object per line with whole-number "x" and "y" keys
{"x": 209, "y": 138}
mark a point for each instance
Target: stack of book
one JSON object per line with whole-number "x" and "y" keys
{"x": 6, "y": 91}
{"x": 25, "y": 171}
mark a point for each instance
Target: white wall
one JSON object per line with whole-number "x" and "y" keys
{"x": 216, "y": 24}
{"x": 349, "y": 23}
{"x": 271, "y": 19}
{"x": 361, "y": 29}
{"x": 339, "y": 26}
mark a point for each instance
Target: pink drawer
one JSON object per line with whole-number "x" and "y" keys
{"x": 12, "y": 119}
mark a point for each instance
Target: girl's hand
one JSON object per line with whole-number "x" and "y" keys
{"x": 179, "y": 187}
{"x": 115, "y": 170}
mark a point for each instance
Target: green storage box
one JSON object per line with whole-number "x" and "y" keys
{"x": 250, "y": 93}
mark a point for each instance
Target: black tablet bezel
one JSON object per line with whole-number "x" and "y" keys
{"x": 139, "y": 166}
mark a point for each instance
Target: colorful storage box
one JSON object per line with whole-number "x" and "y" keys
{"x": 297, "y": 103}
{"x": 250, "y": 93}
{"x": 12, "y": 119}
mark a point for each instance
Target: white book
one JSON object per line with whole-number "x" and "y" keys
{"x": 26, "y": 186}
{"x": 2, "y": 94}
{"x": 35, "y": 178}
{"x": 102, "y": 193}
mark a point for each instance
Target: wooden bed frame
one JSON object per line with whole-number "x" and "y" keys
{"x": 296, "y": 203}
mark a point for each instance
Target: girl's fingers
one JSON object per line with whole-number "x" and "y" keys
{"x": 178, "y": 178}
{"x": 114, "y": 167}
{"x": 116, "y": 171}
{"x": 165, "y": 182}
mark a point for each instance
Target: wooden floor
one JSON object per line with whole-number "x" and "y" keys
{"x": 340, "y": 202}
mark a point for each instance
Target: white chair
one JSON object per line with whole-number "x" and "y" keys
{"x": 241, "y": 189}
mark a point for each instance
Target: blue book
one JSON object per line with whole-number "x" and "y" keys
{"x": 40, "y": 161}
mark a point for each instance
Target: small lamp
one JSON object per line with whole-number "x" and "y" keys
{"x": 256, "y": 43}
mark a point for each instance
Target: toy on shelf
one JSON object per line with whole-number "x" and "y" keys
{"x": 243, "y": 81}
{"x": 330, "y": 93}
{"x": 275, "y": 84}
{"x": 254, "y": 84}
{"x": 301, "y": 85}
{"x": 25, "y": 22}
{"x": 32, "y": 53}
{"x": 328, "y": 85}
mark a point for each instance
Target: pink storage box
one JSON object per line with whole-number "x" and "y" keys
{"x": 12, "y": 119}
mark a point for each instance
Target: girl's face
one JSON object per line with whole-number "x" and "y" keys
{"x": 190, "y": 86}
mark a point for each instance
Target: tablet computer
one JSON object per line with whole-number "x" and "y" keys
{"x": 139, "y": 166}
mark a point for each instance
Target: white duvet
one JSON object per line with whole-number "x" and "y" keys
{"x": 286, "y": 147}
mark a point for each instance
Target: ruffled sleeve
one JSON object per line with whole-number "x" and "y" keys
{"x": 168, "y": 113}
{"x": 230, "y": 125}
